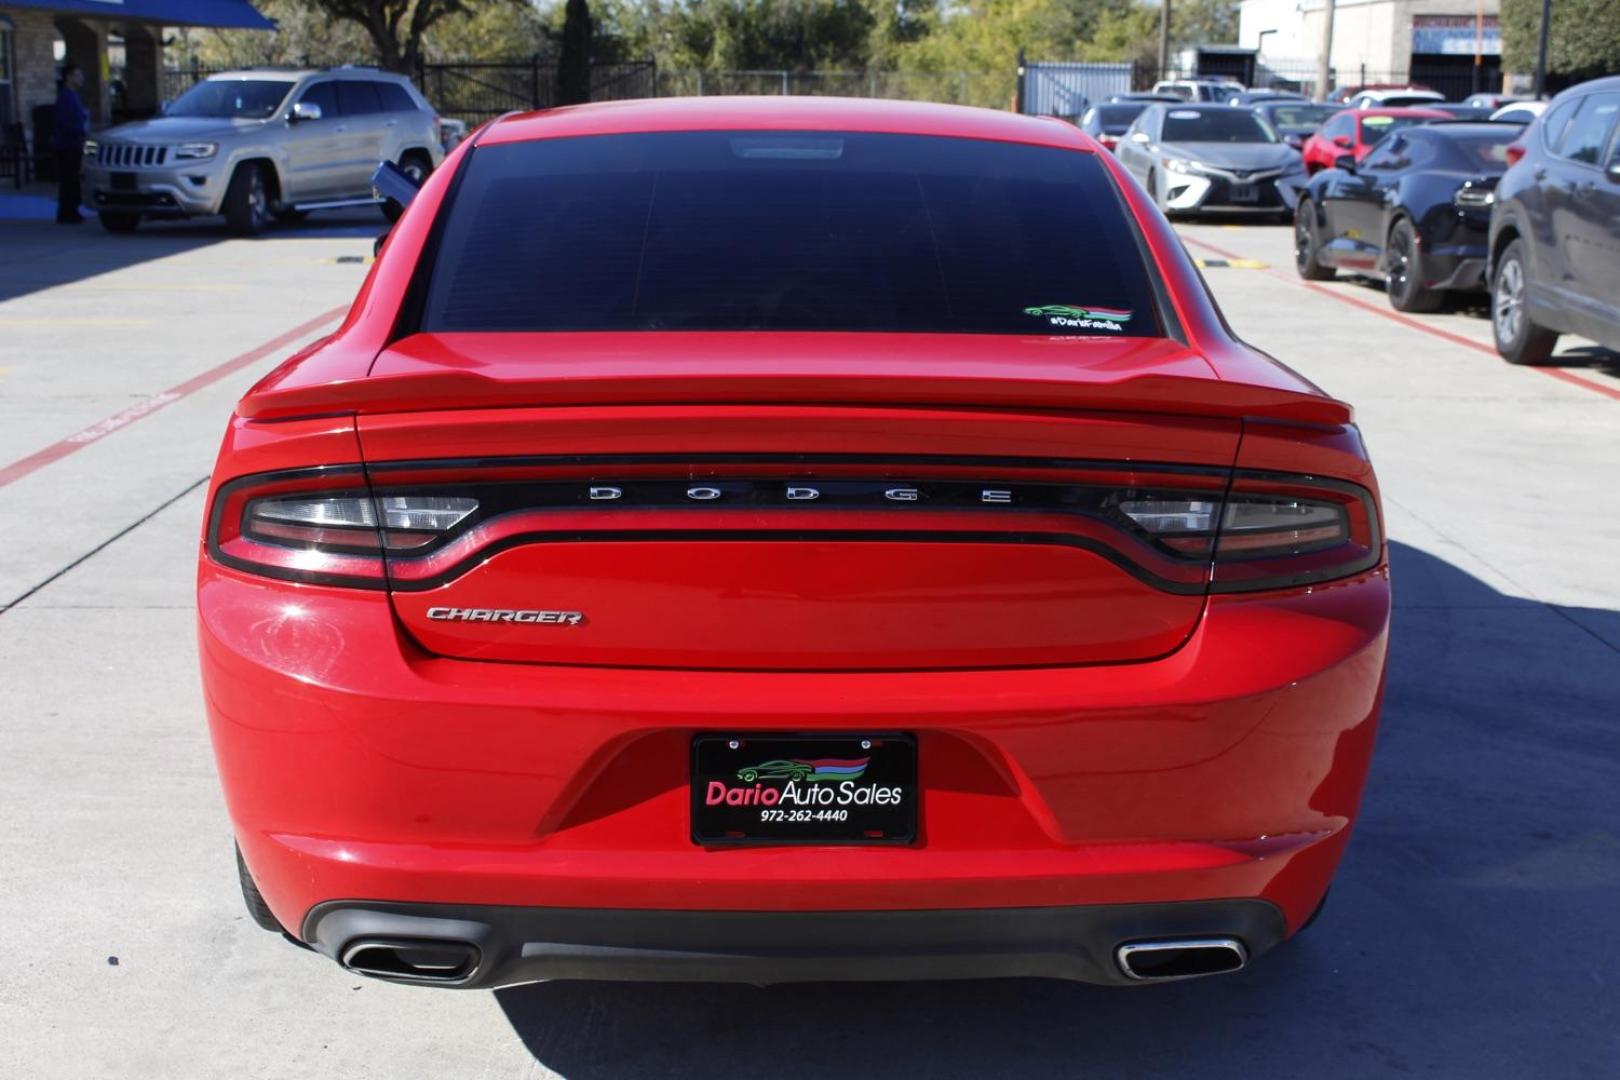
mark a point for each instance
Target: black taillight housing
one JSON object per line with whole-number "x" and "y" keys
{"x": 1182, "y": 529}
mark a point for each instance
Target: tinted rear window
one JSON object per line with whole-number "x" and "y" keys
{"x": 394, "y": 98}
{"x": 1116, "y": 118}
{"x": 789, "y": 231}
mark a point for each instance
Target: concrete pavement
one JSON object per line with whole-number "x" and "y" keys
{"x": 1469, "y": 933}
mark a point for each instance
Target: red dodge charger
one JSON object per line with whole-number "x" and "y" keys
{"x": 773, "y": 539}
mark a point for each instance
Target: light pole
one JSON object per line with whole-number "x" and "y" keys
{"x": 1324, "y": 62}
{"x": 1164, "y": 39}
{"x": 1541, "y": 50}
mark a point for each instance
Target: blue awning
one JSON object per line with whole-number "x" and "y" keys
{"x": 231, "y": 14}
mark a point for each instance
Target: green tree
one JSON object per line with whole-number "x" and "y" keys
{"x": 1584, "y": 37}
{"x": 303, "y": 37}
{"x": 398, "y": 29}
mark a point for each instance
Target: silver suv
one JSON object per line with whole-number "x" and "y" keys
{"x": 258, "y": 146}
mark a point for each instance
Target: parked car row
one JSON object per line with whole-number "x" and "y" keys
{"x": 1531, "y": 214}
{"x": 1191, "y": 169}
{"x": 261, "y": 146}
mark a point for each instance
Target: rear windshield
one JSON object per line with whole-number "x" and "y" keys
{"x": 787, "y": 231}
{"x": 1487, "y": 153}
{"x": 1374, "y": 128}
{"x": 1300, "y": 117}
{"x": 1115, "y": 119}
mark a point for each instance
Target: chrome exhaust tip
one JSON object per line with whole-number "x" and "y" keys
{"x": 443, "y": 962}
{"x": 1188, "y": 958}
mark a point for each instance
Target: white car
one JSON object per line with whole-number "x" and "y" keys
{"x": 1520, "y": 112}
{"x": 1394, "y": 97}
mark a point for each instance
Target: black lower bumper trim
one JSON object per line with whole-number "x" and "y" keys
{"x": 527, "y": 944}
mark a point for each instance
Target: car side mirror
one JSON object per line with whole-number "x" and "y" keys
{"x": 393, "y": 183}
{"x": 1342, "y": 140}
{"x": 1345, "y": 163}
{"x": 1613, "y": 172}
{"x": 304, "y": 110}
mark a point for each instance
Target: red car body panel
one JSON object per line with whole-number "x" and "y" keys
{"x": 1083, "y": 737}
{"x": 1320, "y": 153}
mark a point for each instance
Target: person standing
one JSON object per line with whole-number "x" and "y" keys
{"x": 67, "y": 140}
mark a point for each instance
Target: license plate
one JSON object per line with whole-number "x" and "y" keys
{"x": 1246, "y": 193}
{"x": 810, "y": 789}
{"x": 122, "y": 181}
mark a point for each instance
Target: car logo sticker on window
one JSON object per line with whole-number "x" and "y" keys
{"x": 1069, "y": 317}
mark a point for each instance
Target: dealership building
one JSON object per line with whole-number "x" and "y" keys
{"x": 1395, "y": 41}
{"x": 118, "y": 44}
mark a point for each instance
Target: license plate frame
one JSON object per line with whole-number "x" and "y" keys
{"x": 879, "y": 803}
{"x": 1244, "y": 193}
{"x": 122, "y": 181}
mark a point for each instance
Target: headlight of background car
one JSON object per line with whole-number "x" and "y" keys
{"x": 194, "y": 151}
{"x": 91, "y": 149}
{"x": 1176, "y": 165}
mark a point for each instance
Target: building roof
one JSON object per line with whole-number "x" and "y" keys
{"x": 231, "y": 14}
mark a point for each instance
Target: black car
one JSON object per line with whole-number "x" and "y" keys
{"x": 1146, "y": 97}
{"x": 1463, "y": 111}
{"x": 1415, "y": 211}
{"x": 1296, "y": 120}
{"x": 1555, "y": 228}
{"x": 1106, "y": 123}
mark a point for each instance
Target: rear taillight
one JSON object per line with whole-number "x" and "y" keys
{"x": 1516, "y": 151}
{"x": 322, "y": 526}
{"x": 1279, "y": 531}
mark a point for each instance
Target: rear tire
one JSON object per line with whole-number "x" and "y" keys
{"x": 115, "y": 222}
{"x": 257, "y": 908}
{"x": 1308, "y": 245}
{"x": 1404, "y": 285}
{"x": 1519, "y": 340}
{"x": 247, "y": 200}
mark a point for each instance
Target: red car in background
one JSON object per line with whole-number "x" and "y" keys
{"x": 788, "y": 538}
{"x": 1357, "y": 131}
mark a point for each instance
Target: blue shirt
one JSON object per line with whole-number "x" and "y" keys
{"x": 72, "y": 120}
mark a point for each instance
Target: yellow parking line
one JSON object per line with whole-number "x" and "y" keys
{"x": 1232, "y": 264}
{"x": 73, "y": 320}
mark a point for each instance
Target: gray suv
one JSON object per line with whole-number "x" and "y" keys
{"x": 1555, "y": 228}
{"x": 259, "y": 146}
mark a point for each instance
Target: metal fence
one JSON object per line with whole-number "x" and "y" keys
{"x": 1059, "y": 89}
{"x": 475, "y": 91}
{"x": 177, "y": 80}
{"x": 952, "y": 87}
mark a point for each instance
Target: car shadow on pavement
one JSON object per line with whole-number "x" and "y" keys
{"x": 43, "y": 255}
{"x": 1469, "y": 932}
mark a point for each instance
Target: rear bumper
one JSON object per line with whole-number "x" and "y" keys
{"x": 356, "y": 766}
{"x": 517, "y": 945}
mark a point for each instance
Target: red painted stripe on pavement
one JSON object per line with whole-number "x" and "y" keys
{"x": 147, "y": 406}
{"x": 1415, "y": 324}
